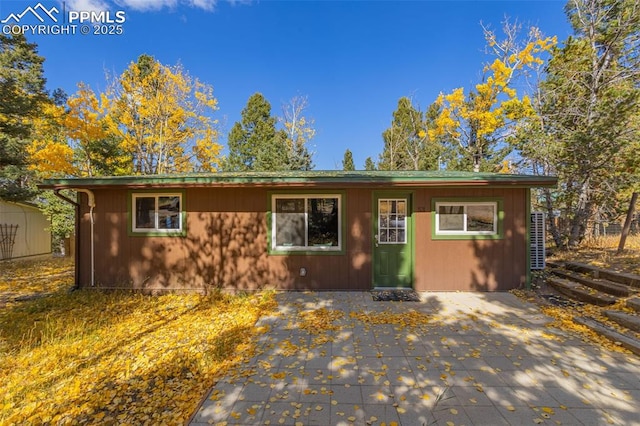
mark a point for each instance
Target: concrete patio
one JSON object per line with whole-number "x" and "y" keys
{"x": 340, "y": 358}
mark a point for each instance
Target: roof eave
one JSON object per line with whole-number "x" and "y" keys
{"x": 308, "y": 183}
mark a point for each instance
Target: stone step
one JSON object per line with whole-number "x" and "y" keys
{"x": 626, "y": 341}
{"x": 602, "y": 285}
{"x": 632, "y": 280}
{"x": 581, "y": 292}
{"x": 630, "y": 321}
{"x": 634, "y": 304}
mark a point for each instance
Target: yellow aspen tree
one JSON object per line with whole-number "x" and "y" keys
{"x": 300, "y": 130}
{"x": 162, "y": 117}
{"x": 96, "y": 150}
{"x": 75, "y": 140}
{"x": 479, "y": 121}
{"x": 49, "y": 154}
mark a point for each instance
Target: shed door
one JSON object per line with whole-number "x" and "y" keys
{"x": 392, "y": 248}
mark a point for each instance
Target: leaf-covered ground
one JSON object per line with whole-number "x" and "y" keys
{"x": 103, "y": 358}
{"x": 106, "y": 358}
{"x": 29, "y": 278}
{"x": 454, "y": 358}
{"x": 563, "y": 318}
{"x": 600, "y": 252}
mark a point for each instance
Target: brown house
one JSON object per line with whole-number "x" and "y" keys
{"x": 304, "y": 230}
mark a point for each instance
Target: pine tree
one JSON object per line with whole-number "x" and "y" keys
{"x": 347, "y": 161}
{"x": 254, "y": 143}
{"x": 369, "y": 164}
{"x": 406, "y": 124}
{"x": 22, "y": 96}
{"x": 408, "y": 144}
{"x": 587, "y": 129}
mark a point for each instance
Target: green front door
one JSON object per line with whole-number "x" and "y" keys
{"x": 392, "y": 248}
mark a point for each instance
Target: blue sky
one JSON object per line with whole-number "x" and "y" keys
{"x": 352, "y": 59}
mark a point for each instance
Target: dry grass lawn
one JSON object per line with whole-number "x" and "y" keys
{"x": 103, "y": 358}
{"x": 601, "y": 252}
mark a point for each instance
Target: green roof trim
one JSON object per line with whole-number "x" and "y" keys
{"x": 307, "y": 178}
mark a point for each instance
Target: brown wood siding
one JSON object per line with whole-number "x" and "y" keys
{"x": 471, "y": 265}
{"x": 227, "y": 238}
{"x": 225, "y": 246}
{"x": 359, "y": 242}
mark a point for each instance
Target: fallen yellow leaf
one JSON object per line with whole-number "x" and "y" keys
{"x": 280, "y": 375}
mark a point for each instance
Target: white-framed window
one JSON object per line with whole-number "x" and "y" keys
{"x": 160, "y": 212}
{"x": 466, "y": 218}
{"x": 306, "y": 222}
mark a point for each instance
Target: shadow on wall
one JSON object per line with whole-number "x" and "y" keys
{"x": 501, "y": 264}
{"x": 227, "y": 247}
{"x": 221, "y": 250}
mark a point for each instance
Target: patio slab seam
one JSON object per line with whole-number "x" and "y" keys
{"x": 465, "y": 358}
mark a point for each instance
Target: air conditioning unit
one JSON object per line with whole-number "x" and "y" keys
{"x": 537, "y": 240}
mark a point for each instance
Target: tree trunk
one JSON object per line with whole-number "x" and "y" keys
{"x": 581, "y": 216}
{"x": 627, "y": 223}
{"x": 553, "y": 226}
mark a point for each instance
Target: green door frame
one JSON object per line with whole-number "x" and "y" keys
{"x": 406, "y": 268}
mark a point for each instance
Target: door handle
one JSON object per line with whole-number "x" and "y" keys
{"x": 375, "y": 237}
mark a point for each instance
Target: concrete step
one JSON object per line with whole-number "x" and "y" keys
{"x": 599, "y": 284}
{"x": 634, "y": 304}
{"x": 630, "y": 321}
{"x": 581, "y": 292}
{"x": 632, "y": 280}
{"x": 627, "y": 341}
